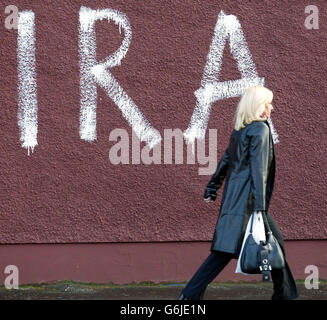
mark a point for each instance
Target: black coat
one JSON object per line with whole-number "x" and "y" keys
{"x": 249, "y": 167}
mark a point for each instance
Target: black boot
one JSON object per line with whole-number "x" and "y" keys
{"x": 201, "y": 295}
{"x": 182, "y": 297}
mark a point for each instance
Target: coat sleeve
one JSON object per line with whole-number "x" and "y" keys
{"x": 258, "y": 160}
{"x": 217, "y": 178}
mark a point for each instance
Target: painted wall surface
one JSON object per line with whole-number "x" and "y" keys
{"x": 123, "y": 263}
{"x": 74, "y": 71}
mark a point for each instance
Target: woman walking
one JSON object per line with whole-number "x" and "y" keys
{"x": 248, "y": 164}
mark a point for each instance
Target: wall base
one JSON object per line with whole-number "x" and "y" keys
{"x": 123, "y": 263}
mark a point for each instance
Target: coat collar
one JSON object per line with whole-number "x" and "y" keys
{"x": 272, "y": 130}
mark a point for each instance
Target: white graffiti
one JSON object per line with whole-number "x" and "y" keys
{"x": 273, "y": 131}
{"x": 227, "y": 28}
{"x": 27, "y": 95}
{"x": 93, "y": 73}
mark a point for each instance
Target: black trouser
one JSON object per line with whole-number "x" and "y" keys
{"x": 284, "y": 284}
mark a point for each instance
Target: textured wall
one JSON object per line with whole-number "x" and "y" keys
{"x": 67, "y": 190}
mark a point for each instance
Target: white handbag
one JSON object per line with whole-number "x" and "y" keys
{"x": 258, "y": 233}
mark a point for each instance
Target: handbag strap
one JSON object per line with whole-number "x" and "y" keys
{"x": 252, "y": 217}
{"x": 264, "y": 216}
{"x": 266, "y": 223}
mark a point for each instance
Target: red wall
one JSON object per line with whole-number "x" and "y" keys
{"x": 67, "y": 190}
{"x": 123, "y": 263}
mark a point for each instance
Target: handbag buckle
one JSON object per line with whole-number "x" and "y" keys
{"x": 265, "y": 277}
{"x": 265, "y": 267}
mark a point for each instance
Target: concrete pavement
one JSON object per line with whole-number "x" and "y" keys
{"x": 70, "y": 290}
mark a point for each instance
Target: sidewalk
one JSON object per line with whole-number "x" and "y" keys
{"x": 70, "y": 290}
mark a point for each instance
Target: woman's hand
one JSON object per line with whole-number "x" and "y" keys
{"x": 208, "y": 200}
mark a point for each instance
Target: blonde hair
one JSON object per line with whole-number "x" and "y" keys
{"x": 251, "y": 106}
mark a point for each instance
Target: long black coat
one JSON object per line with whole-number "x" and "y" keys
{"x": 248, "y": 164}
